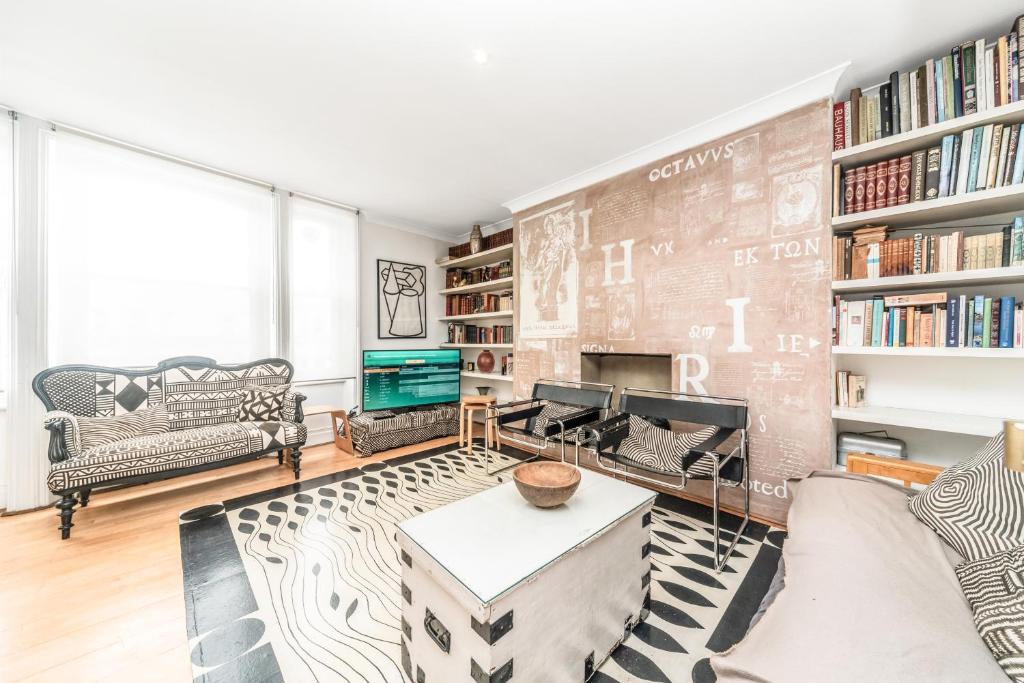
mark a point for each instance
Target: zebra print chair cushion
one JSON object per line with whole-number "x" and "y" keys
{"x": 976, "y": 506}
{"x": 553, "y": 411}
{"x": 662, "y": 449}
{"x": 97, "y": 431}
{"x": 994, "y": 587}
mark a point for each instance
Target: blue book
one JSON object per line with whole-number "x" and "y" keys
{"x": 1018, "y": 162}
{"x": 877, "y": 311}
{"x": 978, "y": 324}
{"x": 972, "y": 173}
{"x": 894, "y": 327}
{"x": 940, "y": 93}
{"x": 952, "y": 322}
{"x": 945, "y": 165}
{"x": 1006, "y": 308}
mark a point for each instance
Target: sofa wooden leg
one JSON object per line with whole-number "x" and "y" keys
{"x": 66, "y": 505}
{"x": 280, "y": 457}
{"x": 83, "y": 497}
{"x": 296, "y": 458}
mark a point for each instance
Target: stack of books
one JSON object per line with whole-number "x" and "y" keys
{"x": 460, "y": 333}
{"x": 973, "y": 77}
{"x": 858, "y": 256}
{"x": 466, "y": 304}
{"x": 460, "y": 277}
{"x": 933, "y": 319}
{"x": 850, "y": 389}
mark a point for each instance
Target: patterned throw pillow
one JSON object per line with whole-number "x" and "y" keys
{"x": 98, "y": 431}
{"x": 658, "y": 448}
{"x": 260, "y": 404}
{"x": 994, "y": 587}
{"x": 976, "y": 506}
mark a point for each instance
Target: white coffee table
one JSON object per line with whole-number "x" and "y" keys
{"x": 506, "y": 586}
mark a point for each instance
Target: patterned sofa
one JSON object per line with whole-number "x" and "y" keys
{"x": 195, "y": 403}
{"x": 381, "y": 430}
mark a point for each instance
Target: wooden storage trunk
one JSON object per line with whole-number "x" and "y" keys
{"x": 494, "y": 589}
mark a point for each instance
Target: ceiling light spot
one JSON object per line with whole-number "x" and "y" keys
{"x": 480, "y": 56}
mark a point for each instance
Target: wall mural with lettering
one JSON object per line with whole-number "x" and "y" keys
{"x": 719, "y": 256}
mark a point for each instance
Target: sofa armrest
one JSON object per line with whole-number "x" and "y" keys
{"x": 906, "y": 471}
{"x": 298, "y": 397}
{"x": 65, "y": 440}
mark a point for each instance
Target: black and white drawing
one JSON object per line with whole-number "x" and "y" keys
{"x": 401, "y": 300}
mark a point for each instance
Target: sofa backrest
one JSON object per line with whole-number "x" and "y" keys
{"x": 196, "y": 390}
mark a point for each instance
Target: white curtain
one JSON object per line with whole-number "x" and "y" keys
{"x": 149, "y": 259}
{"x": 6, "y": 248}
{"x": 323, "y": 254}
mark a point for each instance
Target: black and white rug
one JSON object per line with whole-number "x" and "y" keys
{"x": 302, "y": 582}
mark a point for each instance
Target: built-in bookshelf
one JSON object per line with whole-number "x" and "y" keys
{"x": 479, "y": 283}
{"x": 933, "y": 395}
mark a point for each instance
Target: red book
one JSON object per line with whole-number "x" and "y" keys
{"x": 838, "y": 126}
{"x": 870, "y": 178}
{"x": 892, "y": 181}
{"x": 849, "y": 192}
{"x": 860, "y": 189}
{"x": 881, "y": 183}
{"x": 903, "y": 191}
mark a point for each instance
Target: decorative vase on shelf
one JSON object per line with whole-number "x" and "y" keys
{"x": 485, "y": 361}
{"x": 476, "y": 240}
{"x": 484, "y": 390}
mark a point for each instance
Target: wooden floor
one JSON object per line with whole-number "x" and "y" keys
{"x": 108, "y": 604}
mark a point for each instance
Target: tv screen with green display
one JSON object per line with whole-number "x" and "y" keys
{"x": 402, "y": 379}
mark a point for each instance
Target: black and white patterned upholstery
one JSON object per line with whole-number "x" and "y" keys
{"x": 262, "y": 403}
{"x": 976, "y": 506}
{"x": 97, "y": 431}
{"x": 994, "y": 587}
{"x": 376, "y": 431}
{"x": 553, "y": 411}
{"x": 184, "y": 448}
{"x": 662, "y": 449}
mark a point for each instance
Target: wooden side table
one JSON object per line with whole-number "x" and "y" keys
{"x": 467, "y": 407}
{"x": 342, "y": 437}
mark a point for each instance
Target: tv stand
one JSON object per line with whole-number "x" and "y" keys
{"x": 380, "y": 430}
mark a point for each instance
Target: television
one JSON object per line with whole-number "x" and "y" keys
{"x": 405, "y": 379}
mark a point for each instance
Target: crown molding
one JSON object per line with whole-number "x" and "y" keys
{"x": 405, "y": 226}
{"x": 487, "y": 229}
{"x": 822, "y": 85}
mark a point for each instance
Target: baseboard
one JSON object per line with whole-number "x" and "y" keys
{"x": 315, "y": 437}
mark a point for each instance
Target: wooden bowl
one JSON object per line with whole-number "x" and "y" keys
{"x": 546, "y": 484}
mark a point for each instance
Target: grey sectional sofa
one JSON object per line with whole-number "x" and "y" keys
{"x": 196, "y": 399}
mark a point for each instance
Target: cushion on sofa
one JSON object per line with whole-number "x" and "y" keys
{"x": 869, "y": 596}
{"x": 262, "y": 403}
{"x": 144, "y": 455}
{"x": 97, "y": 431}
{"x": 994, "y": 587}
{"x": 976, "y": 506}
{"x": 662, "y": 449}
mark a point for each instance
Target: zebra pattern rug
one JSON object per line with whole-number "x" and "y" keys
{"x": 302, "y": 582}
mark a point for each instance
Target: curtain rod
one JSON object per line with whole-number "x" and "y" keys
{"x": 321, "y": 200}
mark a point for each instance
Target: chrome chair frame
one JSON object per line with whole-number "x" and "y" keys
{"x": 592, "y": 435}
{"x": 533, "y": 406}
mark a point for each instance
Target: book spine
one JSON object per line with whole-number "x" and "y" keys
{"x": 993, "y": 156}
{"x": 905, "y": 103}
{"x": 994, "y": 334}
{"x": 1018, "y": 162}
{"x": 983, "y": 157}
{"x": 1018, "y": 30}
{"x": 947, "y": 86}
{"x": 922, "y": 94}
{"x": 991, "y": 93}
{"x": 885, "y": 109}
{"x": 897, "y": 103}
{"x": 970, "y": 87}
{"x": 838, "y": 127}
{"x": 903, "y": 189}
{"x": 855, "y": 115}
{"x": 1005, "y": 244}
{"x": 1011, "y": 154}
{"x": 1000, "y": 70}
{"x": 892, "y": 182}
{"x": 976, "y": 142}
{"x": 917, "y": 183}
{"x": 849, "y": 181}
{"x": 979, "y": 321}
{"x": 915, "y": 121}
{"x": 1004, "y": 154}
{"x": 940, "y": 92}
{"x": 870, "y": 187}
{"x": 881, "y": 184}
{"x": 945, "y": 165}
{"x": 986, "y": 323}
{"x": 980, "y": 74}
{"x": 877, "y": 312}
{"x": 847, "y": 128}
{"x": 964, "y": 161}
{"x": 1014, "y": 71}
{"x": 917, "y": 262}
{"x": 931, "y": 181}
{"x": 951, "y": 329}
{"x": 958, "y": 82}
{"x": 860, "y": 189}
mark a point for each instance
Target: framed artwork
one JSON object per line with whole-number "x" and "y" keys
{"x": 401, "y": 300}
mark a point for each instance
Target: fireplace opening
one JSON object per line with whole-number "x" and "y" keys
{"x": 637, "y": 370}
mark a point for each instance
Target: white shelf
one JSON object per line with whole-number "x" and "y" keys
{"x": 998, "y": 200}
{"x": 928, "y": 351}
{"x": 487, "y": 375}
{"x": 476, "y": 346}
{"x": 977, "y": 425}
{"x": 483, "y": 258}
{"x": 928, "y": 136}
{"x": 492, "y": 285}
{"x": 981, "y": 276}
{"x": 477, "y": 316}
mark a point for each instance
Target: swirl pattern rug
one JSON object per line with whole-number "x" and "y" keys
{"x": 302, "y": 582}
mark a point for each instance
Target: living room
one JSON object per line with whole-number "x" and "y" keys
{"x": 417, "y": 342}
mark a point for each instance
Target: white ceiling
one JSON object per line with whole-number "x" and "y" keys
{"x": 380, "y": 104}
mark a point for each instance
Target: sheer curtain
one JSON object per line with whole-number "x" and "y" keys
{"x": 149, "y": 259}
{"x": 6, "y": 250}
{"x": 323, "y": 255}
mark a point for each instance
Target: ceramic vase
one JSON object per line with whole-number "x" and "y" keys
{"x": 476, "y": 240}
{"x": 485, "y": 361}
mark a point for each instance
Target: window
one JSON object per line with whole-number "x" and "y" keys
{"x": 323, "y": 290}
{"x": 149, "y": 259}
{"x": 6, "y": 243}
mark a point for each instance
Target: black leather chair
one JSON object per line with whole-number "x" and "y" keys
{"x": 557, "y": 409}
{"x": 705, "y": 457}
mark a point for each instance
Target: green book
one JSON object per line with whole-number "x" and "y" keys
{"x": 986, "y": 335}
{"x": 876, "y": 323}
{"x": 972, "y": 173}
{"x": 947, "y": 78}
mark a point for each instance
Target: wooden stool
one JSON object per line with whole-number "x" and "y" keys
{"x": 468, "y": 406}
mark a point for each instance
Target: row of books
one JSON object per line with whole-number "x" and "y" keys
{"x": 461, "y": 277}
{"x": 980, "y": 158}
{"x": 466, "y": 304}
{"x": 850, "y": 389}
{"x": 498, "y": 239}
{"x": 923, "y": 254}
{"x": 461, "y": 333}
{"x": 973, "y": 77}
{"x": 930, "y": 320}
